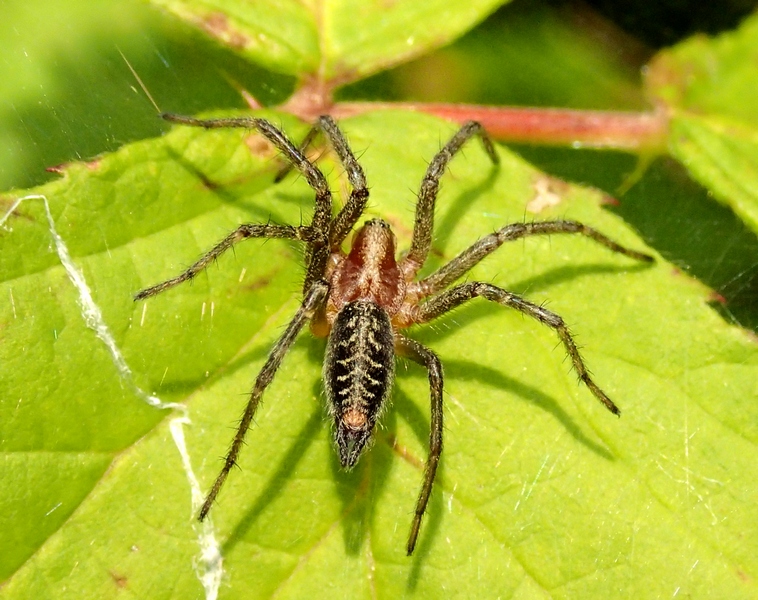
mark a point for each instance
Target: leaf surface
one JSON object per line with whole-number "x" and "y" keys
{"x": 709, "y": 86}
{"x": 333, "y": 40}
{"x": 540, "y": 492}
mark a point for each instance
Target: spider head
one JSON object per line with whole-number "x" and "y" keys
{"x": 370, "y": 271}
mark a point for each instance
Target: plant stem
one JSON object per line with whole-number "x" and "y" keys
{"x": 642, "y": 132}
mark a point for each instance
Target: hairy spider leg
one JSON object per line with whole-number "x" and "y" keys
{"x": 343, "y": 223}
{"x": 314, "y": 298}
{"x": 423, "y": 225}
{"x": 303, "y": 147}
{"x": 454, "y": 297}
{"x": 422, "y": 355}
{"x": 243, "y": 232}
{"x": 318, "y": 246}
{"x": 467, "y": 259}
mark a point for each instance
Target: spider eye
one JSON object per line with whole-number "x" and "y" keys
{"x": 378, "y": 222}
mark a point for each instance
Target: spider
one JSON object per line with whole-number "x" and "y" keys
{"x": 361, "y": 300}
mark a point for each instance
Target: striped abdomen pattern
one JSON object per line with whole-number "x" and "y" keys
{"x": 358, "y": 374}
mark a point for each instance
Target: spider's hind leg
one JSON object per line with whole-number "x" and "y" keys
{"x": 312, "y": 302}
{"x": 422, "y": 355}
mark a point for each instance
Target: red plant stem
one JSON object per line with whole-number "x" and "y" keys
{"x": 641, "y": 131}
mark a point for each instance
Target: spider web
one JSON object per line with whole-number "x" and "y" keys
{"x": 209, "y": 567}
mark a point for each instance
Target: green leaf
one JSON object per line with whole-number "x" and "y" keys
{"x": 535, "y": 54}
{"x": 338, "y": 40}
{"x": 541, "y": 491}
{"x": 709, "y": 86}
{"x": 723, "y": 156}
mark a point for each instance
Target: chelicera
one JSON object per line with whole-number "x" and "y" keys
{"x": 361, "y": 300}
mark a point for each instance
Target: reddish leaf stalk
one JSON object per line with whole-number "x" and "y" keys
{"x": 641, "y": 131}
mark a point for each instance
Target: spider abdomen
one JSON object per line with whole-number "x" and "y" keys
{"x": 359, "y": 369}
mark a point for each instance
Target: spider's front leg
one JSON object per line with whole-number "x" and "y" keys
{"x": 454, "y": 297}
{"x": 425, "y": 357}
{"x": 318, "y": 249}
{"x": 343, "y": 223}
{"x": 423, "y": 225}
{"x": 313, "y": 301}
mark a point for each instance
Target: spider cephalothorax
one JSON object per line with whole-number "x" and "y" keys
{"x": 362, "y": 299}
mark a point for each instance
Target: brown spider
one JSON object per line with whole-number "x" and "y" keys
{"x": 360, "y": 300}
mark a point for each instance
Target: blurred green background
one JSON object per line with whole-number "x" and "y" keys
{"x": 67, "y": 94}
